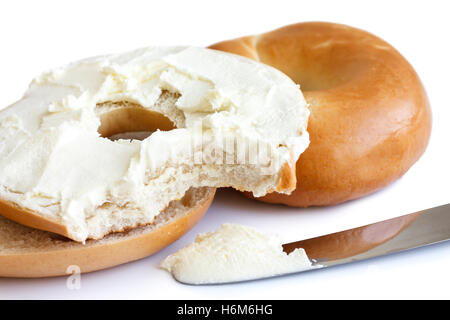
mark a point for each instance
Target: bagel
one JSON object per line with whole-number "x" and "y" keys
{"x": 30, "y": 253}
{"x": 218, "y": 120}
{"x": 370, "y": 116}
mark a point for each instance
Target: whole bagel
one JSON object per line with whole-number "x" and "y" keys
{"x": 370, "y": 116}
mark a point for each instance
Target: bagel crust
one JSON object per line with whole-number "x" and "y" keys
{"x": 370, "y": 116}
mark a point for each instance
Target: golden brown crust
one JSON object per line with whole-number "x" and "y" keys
{"x": 97, "y": 255}
{"x": 287, "y": 179}
{"x": 242, "y": 46}
{"x": 370, "y": 117}
{"x": 348, "y": 243}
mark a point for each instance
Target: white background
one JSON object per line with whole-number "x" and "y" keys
{"x": 38, "y": 35}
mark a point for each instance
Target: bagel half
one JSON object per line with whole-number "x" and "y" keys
{"x": 370, "y": 116}
{"x": 218, "y": 120}
{"x": 31, "y": 253}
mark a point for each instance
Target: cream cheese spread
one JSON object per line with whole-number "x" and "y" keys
{"x": 53, "y": 160}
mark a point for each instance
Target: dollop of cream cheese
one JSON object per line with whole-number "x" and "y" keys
{"x": 233, "y": 253}
{"x": 53, "y": 160}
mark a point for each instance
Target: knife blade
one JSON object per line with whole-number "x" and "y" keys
{"x": 403, "y": 233}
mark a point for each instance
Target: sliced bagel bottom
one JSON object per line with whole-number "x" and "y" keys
{"x": 32, "y": 253}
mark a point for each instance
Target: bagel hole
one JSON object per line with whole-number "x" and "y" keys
{"x": 127, "y": 120}
{"x": 136, "y": 135}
